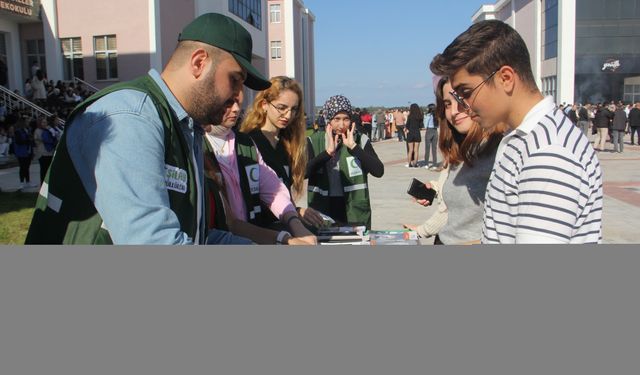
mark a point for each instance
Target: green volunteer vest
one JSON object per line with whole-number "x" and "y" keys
{"x": 249, "y": 173}
{"x": 278, "y": 160}
{"x": 64, "y": 212}
{"x": 354, "y": 184}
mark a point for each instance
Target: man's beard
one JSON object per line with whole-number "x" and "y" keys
{"x": 207, "y": 107}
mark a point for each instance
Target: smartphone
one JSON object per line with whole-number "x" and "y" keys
{"x": 418, "y": 190}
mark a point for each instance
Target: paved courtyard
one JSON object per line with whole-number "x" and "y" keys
{"x": 392, "y": 206}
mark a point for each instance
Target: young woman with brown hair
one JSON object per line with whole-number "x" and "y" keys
{"x": 276, "y": 124}
{"x": 469, "y": 153}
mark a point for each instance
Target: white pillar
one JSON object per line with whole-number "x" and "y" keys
{"x": 536, "y": 54}
{"x": 566, "y": 50}
{"x": 50, "y": 31}
{"x": 155, "y": 41}
{"x": 289, "y": 50}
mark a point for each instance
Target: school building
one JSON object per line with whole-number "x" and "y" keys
{"x": 103, "y": 43}
{"x": 581, "y": 50}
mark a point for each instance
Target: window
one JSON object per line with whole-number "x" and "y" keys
{"x": 631, "y": 93}
{"x": 550, "y": 33}
{"x": 36, "y": 55}
{"x": 72, "y": 58}
{"x": 274, "y": 13}
{"x": 106, "y": 53}
{"x": 248, "y": 10}
{"x": 276, "y": 50}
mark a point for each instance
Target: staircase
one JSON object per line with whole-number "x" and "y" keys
{"x": 14, "y": 102}
{"x": 92, "y": 88}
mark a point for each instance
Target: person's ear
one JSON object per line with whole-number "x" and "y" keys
{"x": 264, "y": 105}
{"x": 198, "y": 62}
{"x": 506, "y": 79}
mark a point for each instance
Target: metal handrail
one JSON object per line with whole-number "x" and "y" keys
{"x": 95, "y": 89}
{"x": 9, "y": 98}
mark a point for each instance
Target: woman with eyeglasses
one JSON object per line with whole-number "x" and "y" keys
{"x": 340, "y": 159}
{"x": 276, "y": 124}
{"x": 469, "y": 154}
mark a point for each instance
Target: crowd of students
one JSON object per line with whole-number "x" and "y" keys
{"x": 610, "y": 121}
{"x": 185, "y": 169}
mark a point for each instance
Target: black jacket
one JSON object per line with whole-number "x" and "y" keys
{"x": 619, "y": 120}
{"x": 602, "y": 118}
{"x": 634, "y": 117}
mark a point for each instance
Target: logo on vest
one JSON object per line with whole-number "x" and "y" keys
{"x": 354, "y": 166}
{"x": 253, "y": 174}
{"x": 175, "y": 179}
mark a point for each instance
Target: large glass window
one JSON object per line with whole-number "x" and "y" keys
{"x": 274, "y": 13}
{"x": 106, "y": 52}
{"x": 276, "y": 50}
{"x": 550, "y": 33}
{"x": 248, "y": 10}
{"x": 72, "y": 58}
{"x": 36, "y": 55}
{"x": 631, "y": 93}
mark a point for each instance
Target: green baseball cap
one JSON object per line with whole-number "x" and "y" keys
{"x": 223, "y": 32}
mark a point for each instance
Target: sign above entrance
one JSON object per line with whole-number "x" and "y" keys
{"x": 611, "y": 65}
{"x": 24, "y": 8}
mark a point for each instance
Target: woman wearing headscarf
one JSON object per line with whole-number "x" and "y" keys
{"x": 340, "y": 159}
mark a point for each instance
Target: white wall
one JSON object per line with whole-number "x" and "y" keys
{"x": 53, "y": 51}
{"x": 566, "y": 50}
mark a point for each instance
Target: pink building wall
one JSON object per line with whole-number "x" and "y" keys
{"x": 128, "y": 20}
{"x": 275, "y": 33}
{"x": 174, "y": 16}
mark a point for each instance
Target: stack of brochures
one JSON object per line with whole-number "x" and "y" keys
{"x": 343, "y": 235}
{"x": 393, "y": 237}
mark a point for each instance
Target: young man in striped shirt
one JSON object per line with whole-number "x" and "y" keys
{"x": 546, "y": 184}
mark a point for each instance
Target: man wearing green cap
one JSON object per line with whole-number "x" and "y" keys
{"x": 129, "y": 169}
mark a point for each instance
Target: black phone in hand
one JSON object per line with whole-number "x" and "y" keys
{"x": 418, "y": 190}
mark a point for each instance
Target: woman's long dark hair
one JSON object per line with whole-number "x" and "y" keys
{"x": 415, "y": 113}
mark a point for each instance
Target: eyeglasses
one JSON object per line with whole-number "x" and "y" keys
{"x": 461, "y": 98}
{"x": 283, "y": 110}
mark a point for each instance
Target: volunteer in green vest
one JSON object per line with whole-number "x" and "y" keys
{"x": 339, "y": 161}
{"x": 244, "y": 184}
{"x": 129, "y": 167}
{"x": 276, "y": 124}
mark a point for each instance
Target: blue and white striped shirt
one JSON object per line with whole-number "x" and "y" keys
{"x": 546, "y": 184}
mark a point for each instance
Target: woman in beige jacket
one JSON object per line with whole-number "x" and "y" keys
{"x": 469, "y": 153}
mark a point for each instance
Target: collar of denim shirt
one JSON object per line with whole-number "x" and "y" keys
{"x": 173, "y": 102}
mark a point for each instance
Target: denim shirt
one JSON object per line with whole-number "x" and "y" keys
{"x": 117, "y": 148}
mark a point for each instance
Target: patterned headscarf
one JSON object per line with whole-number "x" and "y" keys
{"x": 335, "y": 104}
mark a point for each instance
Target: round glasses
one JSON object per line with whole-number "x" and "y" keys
{"x": 283, "y": 109}
{"x": 462, "y": 97}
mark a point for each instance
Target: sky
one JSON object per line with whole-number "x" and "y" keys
{"x": 377, "y": 53}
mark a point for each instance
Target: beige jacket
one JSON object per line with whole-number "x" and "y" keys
{"x": 432, "y": 226}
